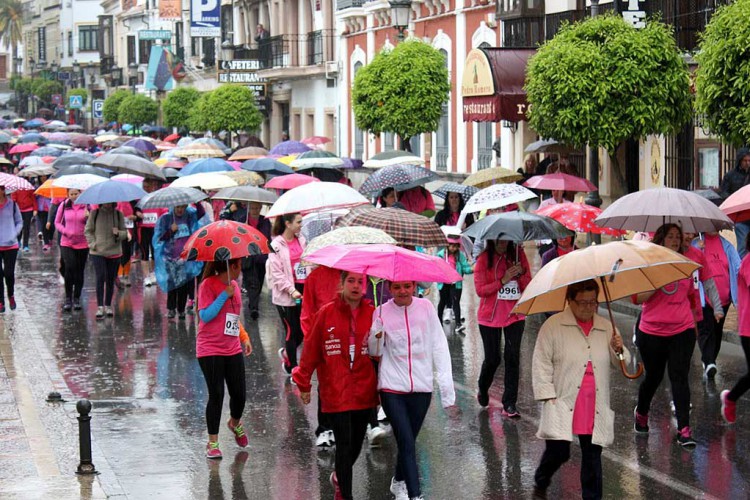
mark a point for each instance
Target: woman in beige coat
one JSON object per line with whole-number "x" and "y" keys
{"x": 570, "y": 371}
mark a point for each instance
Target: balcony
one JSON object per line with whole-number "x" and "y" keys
{"x": 348, "y": 4}
{"x": 352, "y": 13}
{"x": 292, "y": 56}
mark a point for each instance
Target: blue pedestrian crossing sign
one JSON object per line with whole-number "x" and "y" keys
{"x": 76, "y": 102}
{"x": 98, "y": 108}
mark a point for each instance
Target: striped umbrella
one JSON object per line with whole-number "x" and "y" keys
{"x": 14, "y": 183}
{"x": 197, "y": 150}
{"x": 170, "y": 197}
{"x": 316, "y": 158}
{"x": 405, "y": 227}
{"x": 249, "y": 153}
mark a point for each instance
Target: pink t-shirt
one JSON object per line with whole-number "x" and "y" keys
{"x": 585, "y": 408}
{"x": 718, "y": 266}
{"x": 743, "y": 298}
{"x": 669, "y": 310}
{"x": 295, "y": 253}
{"x": 211, "y": 339}
{"x": 452, "y": 260}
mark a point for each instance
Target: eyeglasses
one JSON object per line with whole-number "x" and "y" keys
{"x": 586, "y": 303}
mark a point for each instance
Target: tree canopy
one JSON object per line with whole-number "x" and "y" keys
{"x": 402, "y": 90}
{"x": 81, "y": 92}
{"x": 11, "y": 27}
{"x": 722, "y": 82}
{"x": 111, "y": 109}
{"x": 137, "y": 110}
{"x": 44, "y": 89}
{"x": 232, "y": 108}
{"x": 176, "y": 107}
{"x": 198, "y": 117}
{"x": 601, "y": 82}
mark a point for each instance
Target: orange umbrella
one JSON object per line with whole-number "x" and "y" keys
{"x": 49, "y": 191}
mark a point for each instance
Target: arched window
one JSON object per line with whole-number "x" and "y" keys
{"x": 484, "y": 137}
{"x": 359, "y": 135}
{"x": 443, "y": 134}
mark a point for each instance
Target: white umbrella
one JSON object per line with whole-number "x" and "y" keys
{"x": 497, "y": 196}
{"x": 78, "y": 181}
{"x": 32, "y": 161}
{"x": 208, "y": 181}
{"x": 316, "y": 196}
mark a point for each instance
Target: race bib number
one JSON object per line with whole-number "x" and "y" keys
{"x": 509, "y": 291}
{"x": 300, "y": 272}
{"x": 182, "y": 231}
{"x": 149, "y": 218}
{"x": 696, "y": 280}
{"x": 128, "y": 224}
{"x": 232, "y": 325}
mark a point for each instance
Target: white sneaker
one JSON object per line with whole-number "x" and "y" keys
{"x": 147, "y": 281}
{"x": 710, "y": 371}
{"x": 375, "y": 436}
{"x": 100, "y": 312}
{"x": 398, "y": 488}
{"x": 331, "y": 438}
{"x": 381, "y": 415}
{"x": 108, "y": 311}
{"x": 322, "y": 440}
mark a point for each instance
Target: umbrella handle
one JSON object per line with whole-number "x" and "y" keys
{"x": 624, "y": 368}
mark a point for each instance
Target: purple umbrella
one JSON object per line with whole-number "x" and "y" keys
{"x": 289, "y": 148}
{"x": 141, "y": 145}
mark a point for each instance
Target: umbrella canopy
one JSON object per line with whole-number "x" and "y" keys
{"x": 197, "y": 150}
{"x": 49, "y": 191}
{"x": 55, "y": 124}
{"x": 78, "y": 181}
{"x": 32, "y": 161}
{"x": 316, "y": 197}
{"x": 172, "y": 138}
{"x": 560, "y": 182}
{"x": 267, "y": 165}
{"x": 246, "y": 193}
{"x": 5, "y": 161}
{"x": 75, "y": 127}
{"x": 110, "y": 192}
{"x": 546, "y": 146}
{"x": 451, "y": 187}
{"x": 517, "y": 226}
{"x": 140, "y": 144}
{"x": 34, "y": 123}
{"x": 317, "y": 158}
{"x": 648, "y": 209}
{"x": 213, "y": 142}
{"x": 577, "y": 217}
{"x": 349, "y": 236}
{"x": 248, "y": 153}
{"x": 225, "y": 240}
{"x": 47, "y": 151}
{"x": 82, "y": 141}
{"x": 400, "y": 177}
{"x": 737, "y": 206}
{"x": 171, "y": 173}
{"x": 316, "y": 140}
{"x": 184, "y": 141}
{"x": 209, "y": 181}
{"x": 490, "y": 176}
{"x": 290, "y": 181}
{"x": 636, "y": 266}
{"x": 32, "y": 138}
{"x": 289, "y": 147}
{"x": 244, "y": 178}
{"x": 135, "y": 180}
{"x": 14, "y": 183}
{"x": 5, "y": 138}
{"x": 128, "y": 150}
{"x": 73, "y": 159}
{"x": 710, "y": 195}
{"x": 130, "y": 164}
{"x": 59, "y": 138}
{"x": 170, "y": 197}
{"x": 206, "y": 165}
{"x": 497, "y": 196}
{"x": 106, "y": 138}
{"x": 37, "y": 171}
{"x": 407, "y": 228}
{"x": 393, "y": 157}
{"x": 154, "y": 128}
{"x": 23, "y": 148}
{"x": 81, "y": 169}
{"x": 388, "y": 262}
{"x": 316, "y": 224}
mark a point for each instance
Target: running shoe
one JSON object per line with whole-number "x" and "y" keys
{"x": 322, "y": 440}
{"x": 710, "y": 371}
{"x": 147, "y": 281}
{"x": 685, "y": 438}
{"x": 375, "y": 436}
{"x": 398, "y": 488}
{"x": 181, "y": 314}
{"x": 26, "y": 250}
{"x": 171, "y": 313}
{"x": 641, "y": 422}
{"x": 285, "y": 364}
{"x": 100, "y": 312}
{"x": 510, "y": 411}
{"x": 239, "y": 434}
{"x": 108, "y": 311}
{"x": 483, "y": 399}
{"x": 68, "y": 305}
{"x": 728, "y": 408}
{"x": 39, "y": 236}
{"x": 189, "y": 305}
{"x": 12, "y": 303}
{"x": 77, "y": 304}
{"x": 460, "y": 328}
{"x": 212, "y": 450}
{"x": 45, "y": 248}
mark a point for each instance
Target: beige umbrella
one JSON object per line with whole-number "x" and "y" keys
{"x": 348, "y": 236}
{"x": 490, "y": 176}
{"x": 249, "y": 153}
{"x": 106, "y": 138}
{"x": 245, "y": 178}
{"x": 197, "y": 150}
{"x": 622, "y": 268}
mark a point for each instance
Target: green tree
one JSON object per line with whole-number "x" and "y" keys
{"x": 232, "y": 108}
{"x": 723, "y": 76}
{"x": 198, "y": 117}
{"x": 402, "y": 91}
{"x": 601, "y": 81}
{"x": 111, "y": 108}
{"x": 44, "y": 89}
{"x": 138, "y": 110}
{"x": 176, "y": 107}
{"x": 81, "y": 92}
{"x": 11, "y": 27}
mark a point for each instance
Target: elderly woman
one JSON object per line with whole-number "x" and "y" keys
{"x": 570, "y": 375}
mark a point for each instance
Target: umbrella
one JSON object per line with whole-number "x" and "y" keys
{"x": 289, "y": 147}
{"x": 74, "y": 127}
{"x": 394, "y": 157}
{"x": 252, "y": 140}
{"x": 517, "y": 226}
{"x": 171, "y": 173}
{"x": 130, "y": 164}
{"x": 81, "y": 169}
{"x": 184, "y": 141}
{"x": 208, "y": 181}
{"x": 244, "y": 178}
{"x": 37, "y": 171}
{"x": 267, "y": 165}
{"x": 32, "y": 137}
{"x": 110, "y": 192}
{"x": 466, "y": 192}
{"x": 324, "y": 173}
{"x": 196, "y": 150}
{"x": 351, "y": 163}
{"x": 14, "y": 183}
{"x": 170, "y": 197}
{"x": 560, "y": 182}
{"x": 55, "y": 124}
{"x": 82, "y": 141}
{"x": 246, "y": 193}
{"x": 135, "y": 180}
{"x": 128, "y": 150}
{"x": 316, "y": 140}
{"x": 23, "y": 148}
{"x": 73, "y": 159}
{"x": 316, "y": 197}
{"x": 648, "y": 209}
{"x": 140, "y": 145}
{"x": 490, "y": 176}
{"x": 316, "y": 159}
{"x": 34, "y": 123}
{"x": 172, "y": 138}
{"x": 225, "y": 240}
{"x": 206, "y": 165}
{"x": 47, "y": 151}
{"x": 5, "y": 161}
{"x": 710, "y": 195}
{"x": 388, "y": 262}
{"x": 497, "y": 196}
{"x": 32, "y": 161}
{"x": 78, "y": 181}
{"x": 290, "y": 181}
{"x": 348, "y": 236}
{"x": 154, "y": 128}
{"x": 5, "y": 138}
{"x": 400, "y": 177}
{"x": 49, "y": 191}
{"x": 59, "y": 137}
{"x": 546, "y": 146}
{"x": 106, "y": 138}
{"x": 407, "y": 228}
{"x": 249, "y": 153}
{"x": 213, "y": 142}
{"x": 737, "y": 205}
{"x": 316, "y": 224}
{"x": 577, "y": 217}
{"x": 288, "y": 159}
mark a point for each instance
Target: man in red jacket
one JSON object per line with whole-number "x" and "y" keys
{"x": 26, "y": 202}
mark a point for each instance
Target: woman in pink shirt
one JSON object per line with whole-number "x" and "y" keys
{"x": 70, "y": 222}
{"x": 665, "y": 337}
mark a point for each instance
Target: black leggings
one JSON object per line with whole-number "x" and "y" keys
{"x": 672, "y": 353}
{"x": 511, "y": 353}
{"x": 74, "y": 266}
{"x": 217, "y": 370}
{"x": 41, "y": 225}
{"x": 177, "y": 298}
{"x": 147, "y": 244}
{"x": 8, "y": 272}
{"x": 710, "y": 333}
{"x": 349, "y": 429}
{"x": 252, "y": 279}
{"x": 106, "y": 272}
{"x": 293, "y": 335}
{"x": 450, "y": 296}
{"x": 743, "y": 384}
{"x": 557, "y": 453}
{"x": 26, "y": 217}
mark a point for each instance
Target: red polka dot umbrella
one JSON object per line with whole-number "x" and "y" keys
{"x": 578, "y": 217}
{"x": 223, "y": 241}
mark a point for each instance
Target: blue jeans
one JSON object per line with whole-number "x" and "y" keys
{"x": 741, "y": 230}
{"x": 406, "y": 413}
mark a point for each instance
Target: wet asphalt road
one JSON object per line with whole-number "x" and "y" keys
{"x": 140, "y": 372}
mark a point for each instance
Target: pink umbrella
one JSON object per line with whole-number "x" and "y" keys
{"x": 290, "y": 181}
{"x": 14, "y": 183}
{"x": 316, "y": 140}
{"x": 737, "y": 206}
{"x": 23, "y": 148}
{"x": 235, "y": 164}
{"x": 388, "y": 262}
{"x": 129, "y": 178}
{"x": 559, "y": 182}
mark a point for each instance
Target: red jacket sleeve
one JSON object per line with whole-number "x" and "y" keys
{"x": 484, "y": 279}
{"x": 312, "y": 356}
{"x": 309, "y": 304}
{"x": 525, "y": 278}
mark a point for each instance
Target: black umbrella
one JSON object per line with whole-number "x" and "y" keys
{"x": 80, "y": 169}
{"x": 127, "y": 150}
{"x": 130, "y": 164}
{"x": 517, "y": 226}
{"x": 69, "y": 159}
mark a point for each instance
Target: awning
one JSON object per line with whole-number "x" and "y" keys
{"x": 492, "y": 85}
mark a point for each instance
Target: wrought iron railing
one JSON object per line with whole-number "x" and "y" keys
{"x": 347, "y": 4}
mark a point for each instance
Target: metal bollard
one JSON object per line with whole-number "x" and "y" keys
{"x": 86, "y": 466}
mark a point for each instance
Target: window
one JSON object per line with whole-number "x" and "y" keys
{"x": 359, "y": 135}
{"x": 484, "y": 137}
{"x": 70, "y": 43}
{"x": 416, "y": 143}
{"x": 195, "y": 46}
{"x": 88, "y": 38}
{"x": 144, "y": 50}
{"x": 709, "y": 165}
{"x": 209, "y": 52}
{"x": 442, "y": 143}
{"x": 131, "y": 49}
{"x": 388, "y": 139}
{"x": 178, "y": 40}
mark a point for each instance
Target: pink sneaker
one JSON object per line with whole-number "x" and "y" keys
{"x": 239, "y": 434}
{"x": 336, "y": 490}
{"x": 212, "y": 450}
{"x": 728, "y": 408}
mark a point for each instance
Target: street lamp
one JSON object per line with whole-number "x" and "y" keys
{"x": 400, "y": 16}
{"x": 132, "y": 76}
{"x": 116, "y": 75}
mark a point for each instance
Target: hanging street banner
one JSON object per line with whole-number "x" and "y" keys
{"x": 169, "y": 10}
{"x": 159, "y": 73}
{"x": 205, "y": 18}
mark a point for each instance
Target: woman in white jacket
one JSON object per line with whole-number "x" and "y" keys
{"x": 570, "y": 375}
{"x": 408, "y": 338}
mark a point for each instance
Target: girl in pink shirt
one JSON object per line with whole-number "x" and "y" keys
{"x": 665, "y": 337}
{"x": 70, "y": 222}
